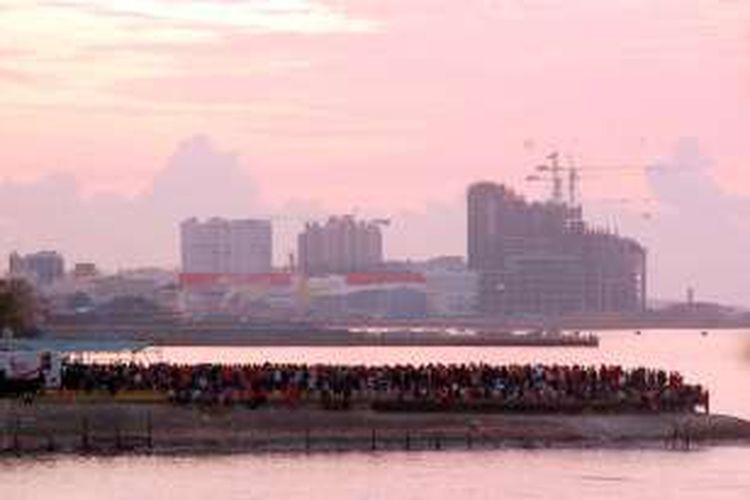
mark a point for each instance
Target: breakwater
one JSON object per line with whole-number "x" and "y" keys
{"x": 243, "y": 336}
{"x": 103, "y": 427}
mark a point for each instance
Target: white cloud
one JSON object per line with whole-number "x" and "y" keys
{"x": 697, "y": 234}
{"x": 72, "y": 48}
{"x": 273, "y": 16}
{"x": 116, "y": 231}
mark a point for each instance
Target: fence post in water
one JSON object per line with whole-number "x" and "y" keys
{"x": 469, "y": 439}
{"x": 673, "y": 438}
{"x": 438, "y": 445}
{"x": 16, "y": 437}
{"x": 149, "y": 431}
{"x": 118, "y": 437}
{"x": 373, "y": 440}
{"x": 85, "y": 442}
{"x": 51, "y": 442}
{"x": 407, "y": 444}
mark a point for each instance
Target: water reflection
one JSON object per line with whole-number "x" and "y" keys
{"x": 575, "y": 474}
{"x": 720, "y": 360}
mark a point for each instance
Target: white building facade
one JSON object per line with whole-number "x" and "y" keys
{"x": 226, "y": 246}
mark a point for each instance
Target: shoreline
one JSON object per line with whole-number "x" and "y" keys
{"x": 114, "y": 428}
{"x": 241, "y": 336}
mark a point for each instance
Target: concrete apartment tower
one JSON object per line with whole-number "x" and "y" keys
{"x": 223, "y": 246}
{"x": 341, "y": 245}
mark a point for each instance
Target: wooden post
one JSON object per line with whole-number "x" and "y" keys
{"x": 307, "y": 439}
{"x": 438, "y": 445}
{"x": 469, "y": 439}
{"x": 16, "y": 437}
{"x": 373, "y": 440}
{"x": 51, "y": 443}
{"x": 149, "y": 431}
{"x": 85, "y": 440}
{"x": 118, "y": 437}
{"x": 407, "y": 444}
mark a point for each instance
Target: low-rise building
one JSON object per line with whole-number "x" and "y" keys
{"x": 264, "y": 294}
{"x": 366, "y": 295}
{"x": 452, "y": 292}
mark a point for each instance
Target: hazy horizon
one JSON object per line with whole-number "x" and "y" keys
{"x": 122, "y": 118}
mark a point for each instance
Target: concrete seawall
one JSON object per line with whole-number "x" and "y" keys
{"x": 110, "y": 427}
{"x": 332, "y": 338}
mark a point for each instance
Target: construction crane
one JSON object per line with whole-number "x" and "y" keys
{"x": 553, "y": 173}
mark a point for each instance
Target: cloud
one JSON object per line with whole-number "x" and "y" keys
{"x": 436, "y": 95}
{"x": 115, "y": 231}
{"x": 126, "y": 52}
{"x": 200, "y": 180}
{"x": 701, "y": 234}
{"x": 280, "y": 16}
{"x": 697, "y": 234}
{"x": 437, "y": 229}
{"x": 16, "y": 77}
{"x": 98, "y": 9}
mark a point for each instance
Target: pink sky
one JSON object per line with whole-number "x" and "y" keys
{"x": 387, "y": 106}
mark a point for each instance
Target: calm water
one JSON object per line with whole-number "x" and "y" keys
{"x": 719, "y": 360}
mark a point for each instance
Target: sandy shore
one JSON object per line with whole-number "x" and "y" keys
{"x": 107, "y": 427}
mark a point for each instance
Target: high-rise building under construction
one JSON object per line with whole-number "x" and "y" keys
{"x": 541, "y": 258}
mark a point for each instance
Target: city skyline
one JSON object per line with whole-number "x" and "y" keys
{"x": 311, "y": 108}
{"x": 374, "y": 249}
{"x": 439, "y": 229}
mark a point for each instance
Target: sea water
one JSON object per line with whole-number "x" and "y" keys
{"x": 720, "y": 360}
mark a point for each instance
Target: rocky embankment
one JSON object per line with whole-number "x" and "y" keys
{"x": 121, "y": 427}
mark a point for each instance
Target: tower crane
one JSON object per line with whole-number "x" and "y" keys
{"x": 553, "y": 173}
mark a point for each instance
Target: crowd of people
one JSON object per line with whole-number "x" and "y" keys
{"x": 519, "y": 387}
